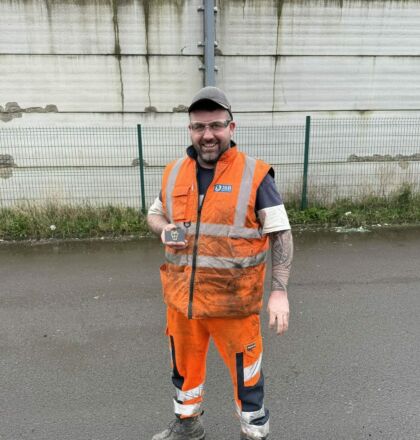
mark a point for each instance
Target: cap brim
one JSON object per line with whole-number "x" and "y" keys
{"x": 195, "y": 104}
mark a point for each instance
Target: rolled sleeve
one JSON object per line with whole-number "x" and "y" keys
{"x": 274, "y": 219}
{"x": 156, "y": 208}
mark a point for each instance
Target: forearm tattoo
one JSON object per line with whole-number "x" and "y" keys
{"x": 281, "y": 257}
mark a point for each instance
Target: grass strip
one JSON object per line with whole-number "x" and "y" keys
{"x": 34, "y": 222}
{"x": 401, "y": 208}
{"x": 52, "y": 221}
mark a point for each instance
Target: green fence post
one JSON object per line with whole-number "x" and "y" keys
{"x": 304, "y": 199}
{"x": 141, "y": 165}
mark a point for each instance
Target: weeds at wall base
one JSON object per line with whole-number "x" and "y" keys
{"x": 52, "y": 221}
{"x": 403, "y": 207}
{"x": 63, "y": 222}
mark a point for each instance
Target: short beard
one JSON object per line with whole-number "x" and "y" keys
{"x": 210, "y": 161}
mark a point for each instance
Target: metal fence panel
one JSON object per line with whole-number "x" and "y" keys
{"x": 348, "y": 158}
{"x": 69, "y": 165}
{"x": 356, "y": 158}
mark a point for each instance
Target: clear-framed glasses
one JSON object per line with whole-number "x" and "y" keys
{"x": 214, "y": 126}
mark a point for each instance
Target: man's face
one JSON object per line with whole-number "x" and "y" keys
{"x": 210, "y": 134}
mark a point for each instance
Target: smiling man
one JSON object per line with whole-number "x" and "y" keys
{"x": 217, "y": 214}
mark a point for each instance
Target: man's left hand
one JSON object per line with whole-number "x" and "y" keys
{"x": 278, "y": 311}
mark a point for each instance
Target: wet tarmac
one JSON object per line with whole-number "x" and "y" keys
{"x": 83, "y": 354}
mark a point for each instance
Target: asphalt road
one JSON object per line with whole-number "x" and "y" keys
{"x": 83, "y": 354}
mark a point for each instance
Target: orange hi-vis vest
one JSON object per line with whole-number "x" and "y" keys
{"x": 221, "y": 272}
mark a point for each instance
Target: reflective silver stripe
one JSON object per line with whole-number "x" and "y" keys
{"x": 186, "y": 410}
{"x": 179, "y": 259}
{"x": 182, "y": 396}
{"x": 244, "y": 191}
{"x": 216, "y": 262}
{"x": 248, "y": 417}
{"x": 256, "y": 431}
{"x": 252, "y": 370}
{"x": 216, "y": 230}
{"x": 170, "y": 187}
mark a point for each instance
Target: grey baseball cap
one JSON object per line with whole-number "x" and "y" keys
{"x": 212, "y": 94}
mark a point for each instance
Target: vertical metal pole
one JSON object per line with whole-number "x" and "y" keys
{"x": 141, "y": 165}
{"x": 209, "y": 39}
{"x": 304, "y": 199}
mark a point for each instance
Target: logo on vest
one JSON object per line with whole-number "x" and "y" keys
{"x": 221, "y": 188}
{"x": 251, "y": 347}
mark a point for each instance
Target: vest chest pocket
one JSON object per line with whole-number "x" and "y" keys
{"x": 182, "y": 203}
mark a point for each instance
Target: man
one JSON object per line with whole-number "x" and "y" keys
{"x": 223, "y": 211}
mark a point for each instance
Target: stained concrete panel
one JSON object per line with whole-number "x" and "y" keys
{"x": 101, "y": 27}
{"x": 99, "y": 83}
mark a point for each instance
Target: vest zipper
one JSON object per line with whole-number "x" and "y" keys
{"x": 194, "y": 263}
{"x": 197, "y": 233}
{"x": 195, "y": 248}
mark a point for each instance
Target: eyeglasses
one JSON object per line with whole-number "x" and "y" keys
{"x": 214, "y": 126}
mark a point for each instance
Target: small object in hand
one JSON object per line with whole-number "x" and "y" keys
{"x": 175, "y": 235}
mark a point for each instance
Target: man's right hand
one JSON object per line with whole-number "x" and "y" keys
{"x": 172, "y": 244}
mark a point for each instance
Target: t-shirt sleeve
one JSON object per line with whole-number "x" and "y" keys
{"x": 270, "y": 208}
{"x": 157, "y": 206}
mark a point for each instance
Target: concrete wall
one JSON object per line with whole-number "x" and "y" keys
{"x": 117, "y": 63}
{"x": 120, "y": 62}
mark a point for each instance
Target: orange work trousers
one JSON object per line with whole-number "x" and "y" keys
{"x": 239, "y": 342}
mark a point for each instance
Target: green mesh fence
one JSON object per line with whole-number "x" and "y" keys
{"x": 348, "y": 158}
{"x": 69, "y": 166}
{"x": 357, "y": 158}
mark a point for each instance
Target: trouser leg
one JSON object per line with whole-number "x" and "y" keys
{"x": 189, "y": 341}
{"x": 239, "y": 343}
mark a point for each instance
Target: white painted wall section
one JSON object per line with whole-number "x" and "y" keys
{"x": 103, "y": 61}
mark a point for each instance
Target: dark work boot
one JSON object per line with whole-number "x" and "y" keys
{"x": 183, "y": 429}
